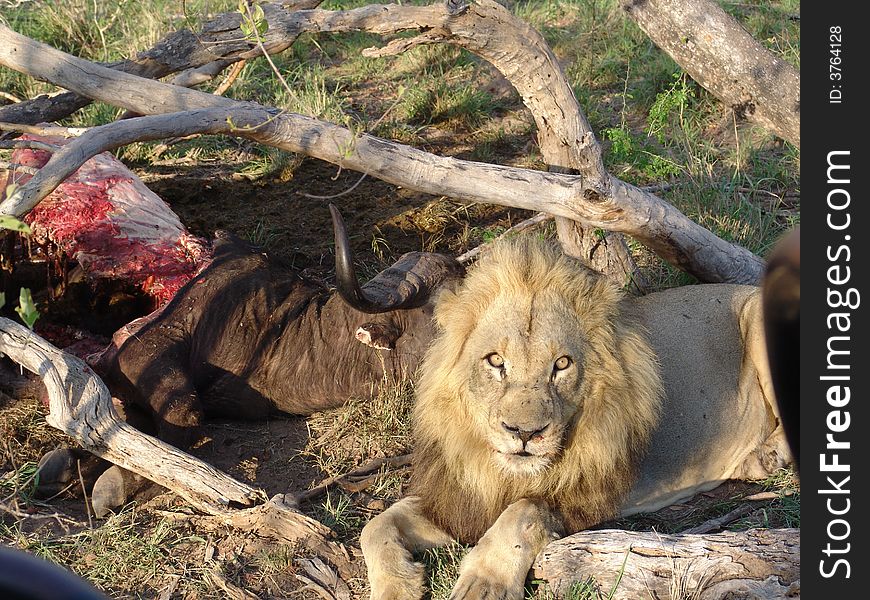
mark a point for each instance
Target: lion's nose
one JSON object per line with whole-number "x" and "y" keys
{"x": 524, "y": 434}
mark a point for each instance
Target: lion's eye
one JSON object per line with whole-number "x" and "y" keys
{"x": 562, "y": 363}
{"x": 495, "y": 360}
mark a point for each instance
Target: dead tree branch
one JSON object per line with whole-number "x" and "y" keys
{"x": 196, "y": 58}
{"x": 565, "y": 137}
{"x": 80, "y": 405}
{"x": 718, "y": 53}
{"x": 628, "y": 209}
{"x": 758, "y": 563}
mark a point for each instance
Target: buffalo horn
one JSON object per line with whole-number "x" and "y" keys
{"x": 406, "y": 284}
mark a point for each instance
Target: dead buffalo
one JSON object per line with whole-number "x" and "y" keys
{"x": 249, "y": 337}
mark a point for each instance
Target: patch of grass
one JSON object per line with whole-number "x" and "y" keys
{"x": 442, "y": 101}
{"x": 580, "y": 590}
{"x": 442, "y": 568}
{"x": 25, "y": 434}
{"x": 363, "y": 429}
{"x": 339, "y": 513}
{"x": 130, "y": 553}
{"x": 784, "y": 511}
{"x": 19, "y": 484}
{"x": 263, "y": 234}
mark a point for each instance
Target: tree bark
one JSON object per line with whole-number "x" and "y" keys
{"x": 180, "y": 52}
{"x": 718, "y": 53}
{"x": 80, "y": 405}
{"x": 627, "y": 209}
{"x": 758, "y": 563}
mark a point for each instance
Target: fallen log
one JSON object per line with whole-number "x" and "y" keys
{"x": 80, "y": 405}
{"x": 758, "y": 563}
{"x": 718, "y": 53}
{"x": 625, "y": 208}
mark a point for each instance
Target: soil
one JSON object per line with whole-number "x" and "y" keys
{"x": 383, "y": 221}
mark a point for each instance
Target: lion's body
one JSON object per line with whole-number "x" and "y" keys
{"x": 523, "y": 305}
{"x": 531, "y": 303}
{"x": 720, "y": 420}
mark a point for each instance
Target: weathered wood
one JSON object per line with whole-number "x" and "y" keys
{"x": 651, "y": 220}
{"x": 565, "y": 137}
{"x": 80, "y": 405}
{"x": 725, "y": 59}
{"x": 758, "y": 563}
{"x": 194, "y": 57}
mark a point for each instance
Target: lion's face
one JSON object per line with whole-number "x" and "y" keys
{"x": 526, "y": 370}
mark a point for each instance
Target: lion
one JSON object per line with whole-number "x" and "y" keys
{"x": 550, "y": 402}
{"x": 534, "y": 406}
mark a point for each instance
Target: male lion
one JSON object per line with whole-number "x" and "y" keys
{"x": 535, "y": 404}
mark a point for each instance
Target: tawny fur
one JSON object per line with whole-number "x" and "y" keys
{"x": 617, "y": 399}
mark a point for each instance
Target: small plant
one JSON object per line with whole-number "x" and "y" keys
{"x": 338, "y": 512}
{"x": 674, "y": 99}
{"x": 26, "y": 308}
{"x": 20, "y": 483}
{"x": 254, "y": 24}
{"x": 380, "y": 245}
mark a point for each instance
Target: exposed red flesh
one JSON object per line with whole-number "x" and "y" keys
{"x": 106, "y": 219}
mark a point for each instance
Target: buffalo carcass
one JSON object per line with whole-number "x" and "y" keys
{"x": 249, "y": 337}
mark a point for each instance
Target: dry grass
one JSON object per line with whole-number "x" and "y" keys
{"x": 737, "y": 181}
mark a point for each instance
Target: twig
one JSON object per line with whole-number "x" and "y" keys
{"x": 356, "y": 480}
{"x": 10, "y": 97}
{"x": 521, "y": 226}
{"x": 29, "y": 144}
{"x": 85, "y": 494}
{"x": 11, "y": 166}
{"x": 659, "y": 187}
{"x": 719, "y": 522}
{"x": 230, "y": 78}
{"x": 232, "y": 591}
{"x": 44, "y": 129}
{"x": 339, "y": 194}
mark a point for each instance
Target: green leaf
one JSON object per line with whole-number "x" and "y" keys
{"x": 254, "y": 24}
{"x": 26, "y": 309}
{"x": 10, "y": 222}
{"x": 2, "y": 299}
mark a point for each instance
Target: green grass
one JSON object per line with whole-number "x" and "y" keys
{"x": 656, "y": 126}
{"x": 442, "y": 568}
{"x": 363, "y": 429}
{"x": 129, "y": 552}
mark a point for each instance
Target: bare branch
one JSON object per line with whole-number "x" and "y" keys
{"x": 626, "y": 209}
{"x": 521, "y": 226}
{"x": 43, "y": 129}
{"x": 80, "y": 405}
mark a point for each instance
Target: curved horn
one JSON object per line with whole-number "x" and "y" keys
{"x": 406, "y": 284}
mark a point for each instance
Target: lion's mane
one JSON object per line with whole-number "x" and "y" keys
{"x": 461, "y": 488}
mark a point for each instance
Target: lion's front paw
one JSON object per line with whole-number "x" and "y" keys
{"x": 403, "y": 580}
{"x": 480, "y": 586}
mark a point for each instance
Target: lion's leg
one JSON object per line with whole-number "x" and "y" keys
{"x": 498, "y": 565}
{"x": 388, "y": 542}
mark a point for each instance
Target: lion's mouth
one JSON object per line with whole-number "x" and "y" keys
{"x": 522, "y": 462}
